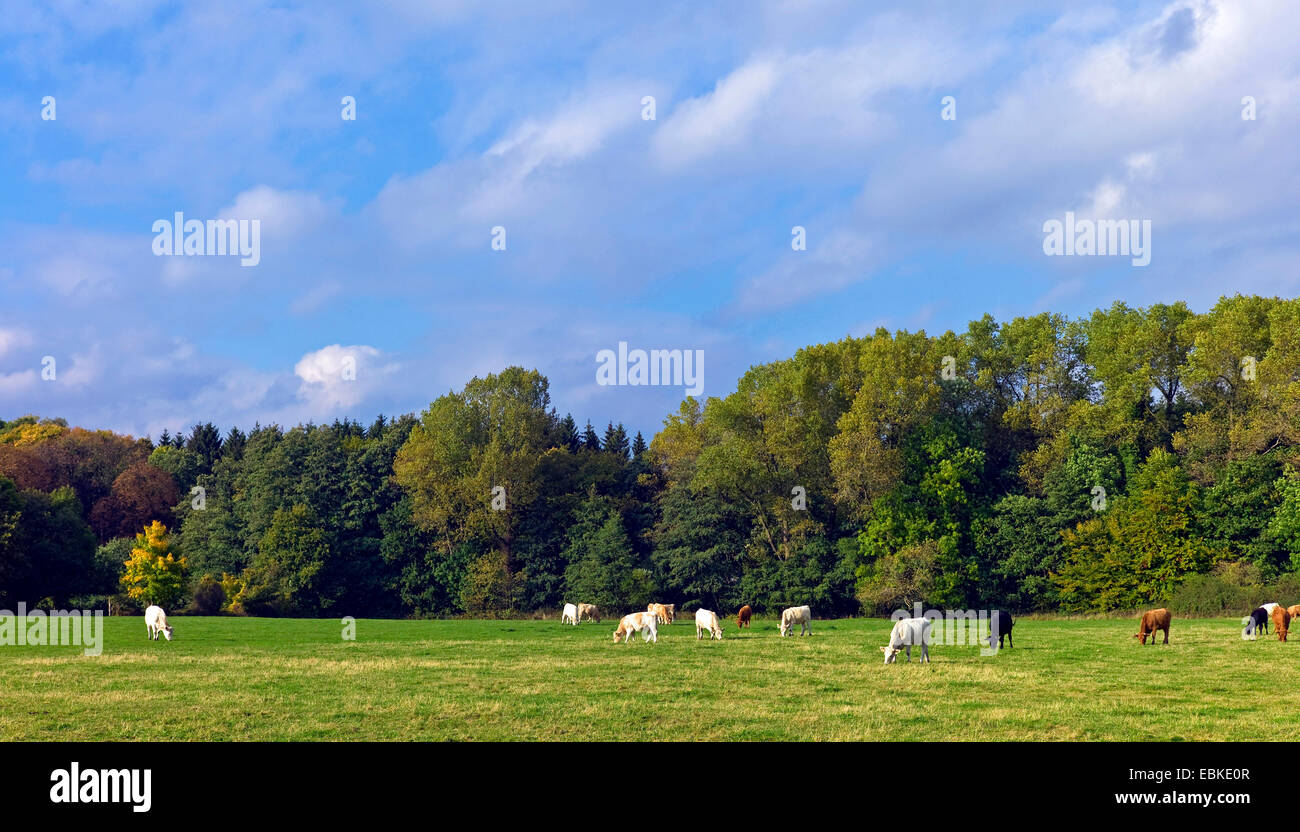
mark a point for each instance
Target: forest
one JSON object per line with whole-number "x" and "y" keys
{"x": 1131, "y": 457}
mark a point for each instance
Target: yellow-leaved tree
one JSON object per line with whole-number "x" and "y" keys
{"x": 153, "y": 574}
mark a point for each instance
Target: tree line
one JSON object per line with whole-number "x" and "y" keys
{"x": 1133, "y": 456}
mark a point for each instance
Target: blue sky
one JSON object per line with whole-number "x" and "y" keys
{"x": 666, "y": 233}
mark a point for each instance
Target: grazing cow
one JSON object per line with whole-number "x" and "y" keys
{"x": 796, "y": 615}
{"x": 1000, "y": 623}
{"x": 589, "y": 612}
{"x": 1293, "y": 611}
{"x": 707, "y": 622}
{"x": 1153, "y": 620}
{"x": 155, "y": 623}
{"x": 742, "y": 617}
{"x": 645, "y": 623}
{"x": 1257, "y": 620}
{"x": 1268, "y": 612}
{"x": 1281, "y": 622}
{"x": 906, "y": 632}
{"x": 570, "y": 615}
{"x": 663, "y": 612}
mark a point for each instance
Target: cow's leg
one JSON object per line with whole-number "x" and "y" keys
{"x": 1166, "y": 635}
{"x": 925, "y": 653}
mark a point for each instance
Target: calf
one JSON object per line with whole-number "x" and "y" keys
{"x": 1153, "y": 620}
{"x": 906, "y": 632}
{"x": 645, "y": 623}
{"x": 570, "y": 615}
{"x": 796, "y": 615}
{"x": 707, "y": 622}
{"x": 1257, "y": 619}
{"x": 1281, "y": 622}
{"x": 589, "y": 612}
{"x": 1000, "y": 625}
{"x": 155, "y": 623}
{"x": 663, "y": 612}
{"x": 742, "y": 617}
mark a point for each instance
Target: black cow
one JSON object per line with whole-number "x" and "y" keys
{"x": 1001, "y": 624}
{"x": 1258, "y": 618}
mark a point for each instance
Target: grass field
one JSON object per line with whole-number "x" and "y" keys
{"x": 263, "y": 679}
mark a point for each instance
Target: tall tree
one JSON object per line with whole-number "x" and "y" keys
{"x": 470, "y": 465}
{"x": 616, "y": 441}
{"x": 590, "y": 440}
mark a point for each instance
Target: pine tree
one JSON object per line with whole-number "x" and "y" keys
{"x": 639, "y": 447}
{"x": 616, "y": 440}
{"x": 205, "y": 440}
{"x": 567, "y": 434}
{"x": 233, "y": 447}
{"x": 589, "y": 438}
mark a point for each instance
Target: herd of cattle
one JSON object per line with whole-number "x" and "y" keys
{"x": 1280, "y": 616}
{"x": 907, "y": 633}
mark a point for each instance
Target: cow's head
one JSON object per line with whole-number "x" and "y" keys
{"x": 167, "y": 631}
{"x": 891, "y": 653}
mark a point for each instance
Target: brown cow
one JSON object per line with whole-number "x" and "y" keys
{"x": 742, "y": 617}
{"x": 1293, "y": 611}
{"x": 1281, "y": 621}
{"x": 1153, "y": 620}
{"x": 665, "y": 613}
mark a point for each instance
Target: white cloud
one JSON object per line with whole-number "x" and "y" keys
{"x": 338, "y": 377}
{"x": 720, "y": 119}
{"x": 283, "y": 214}
{"x": 11, "y": 339}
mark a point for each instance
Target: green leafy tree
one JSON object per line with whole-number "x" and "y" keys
{"x": 1142, "y": 548}
{"x": 603, "y": 568}
{"x": 291, "y": 570}
{"x": 1285, "y": 525}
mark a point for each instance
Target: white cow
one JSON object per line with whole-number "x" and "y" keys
{"x": 907, "y": 632}
{"x": 570, "y": 615}
{"x": 644, "y": 623}
{"x": 707, "y": 622}
{"x": 796, "y": 615}
{"x": 155, "y": 621}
